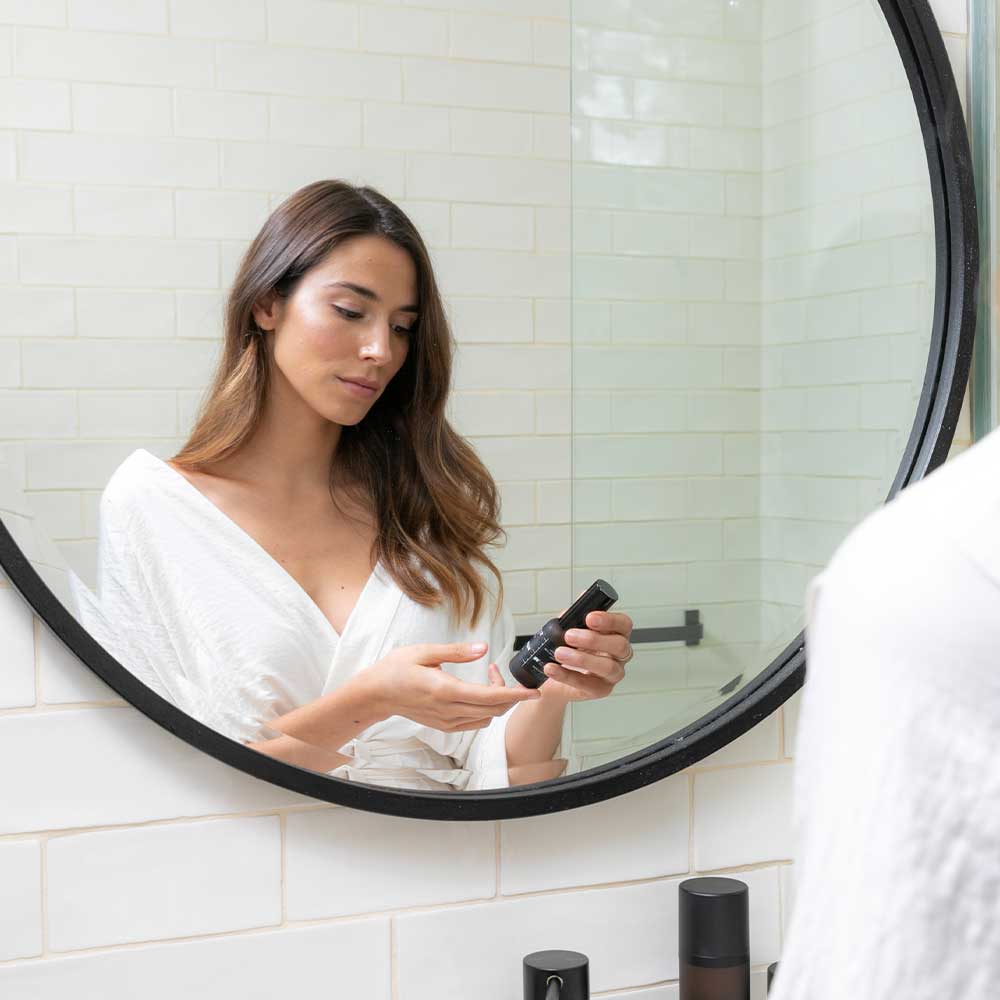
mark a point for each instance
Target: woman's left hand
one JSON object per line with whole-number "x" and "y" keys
{"x": 597, "y": 655}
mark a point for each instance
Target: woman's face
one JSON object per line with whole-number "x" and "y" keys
{"x": 326, "y": 332}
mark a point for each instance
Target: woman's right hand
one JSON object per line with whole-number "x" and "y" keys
{"x": 409, "y": 681}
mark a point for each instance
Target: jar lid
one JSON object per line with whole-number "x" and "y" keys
{"x": 713, "y": 921}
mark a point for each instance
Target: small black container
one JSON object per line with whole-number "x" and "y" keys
{"x": 570, "y": 968}
{"x": 714, "y": 939}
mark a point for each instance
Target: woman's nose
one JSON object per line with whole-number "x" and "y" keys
{"x": 377, "y": 341}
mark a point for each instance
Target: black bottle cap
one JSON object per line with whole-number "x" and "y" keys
{"x": 570, "y": 966}
{"x": 714, "y": 921}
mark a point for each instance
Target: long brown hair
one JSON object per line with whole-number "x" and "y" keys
{"x": 436, "y": 503}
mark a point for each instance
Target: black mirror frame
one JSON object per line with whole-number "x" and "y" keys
{"x": 942, "y": 123}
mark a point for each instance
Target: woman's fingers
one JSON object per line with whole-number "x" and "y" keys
{"x": 604, "y": 666}
{"x": 611, "y": 622}
{"x": 590, "y": 684}
{"x": 481, "y": 703}
{"x": 489, "y": 696}
{"x": 433, "y": 654}
{"x": 600, "y": 649}
{"x": 595, "y": 641}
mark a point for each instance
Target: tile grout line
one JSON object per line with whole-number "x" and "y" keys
{"x": 496, "y": 861}
{"x": 43, "y": 853}
{"x": 41, "y": 708}
{"x": 391, "y": 915}
{"x": 71, "y": 831}
{"x": 36, "y": 638}
{"x": 283, "y": 836}
{"x": 393, "y": 960}
{"x": 690, "y": 821}
{"x": 781, "y": 909}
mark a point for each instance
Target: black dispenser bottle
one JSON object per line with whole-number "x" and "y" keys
{"x": 556, "y": 975}
{"x": 714, "y": 939}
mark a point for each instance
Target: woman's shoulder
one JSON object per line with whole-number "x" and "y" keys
{"x": 134, "y": 481}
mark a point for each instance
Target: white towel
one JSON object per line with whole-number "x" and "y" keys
{"x": 897, "y": 756}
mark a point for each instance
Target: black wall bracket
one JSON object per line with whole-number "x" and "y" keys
{"x": 691, "y": 632}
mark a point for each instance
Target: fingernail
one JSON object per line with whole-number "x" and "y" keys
{"x": 477, "y": 647}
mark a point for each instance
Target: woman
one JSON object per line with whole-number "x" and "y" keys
{"x": 324, "y": 511}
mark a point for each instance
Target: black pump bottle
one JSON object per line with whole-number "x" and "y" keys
{"x": 714, "y": 939}
{"x": 556, "y": 974}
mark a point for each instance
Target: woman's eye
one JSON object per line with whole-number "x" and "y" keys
{"x": 407, "y": 330}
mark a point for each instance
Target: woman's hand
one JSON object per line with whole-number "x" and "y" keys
{"x": 597, "y": 655}
{"x": 409, "y": 681}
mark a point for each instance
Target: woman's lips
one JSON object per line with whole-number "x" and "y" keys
{"x": 362, "y": 391}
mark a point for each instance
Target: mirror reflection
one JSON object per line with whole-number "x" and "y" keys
{"x": 682, "y": 357}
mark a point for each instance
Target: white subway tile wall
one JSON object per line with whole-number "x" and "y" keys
{"x": 142, "y": 145}
{"x": 21, "y": 899}
{"x": 218, "y": 875}
{"x": 442, "y": 863}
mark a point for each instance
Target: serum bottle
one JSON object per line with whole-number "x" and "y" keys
{"x": 714, "y": 939}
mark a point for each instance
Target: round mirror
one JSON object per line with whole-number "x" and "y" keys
{"x": 699, "y": 337}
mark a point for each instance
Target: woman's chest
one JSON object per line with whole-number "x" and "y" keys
{"x": 331, "y": 562}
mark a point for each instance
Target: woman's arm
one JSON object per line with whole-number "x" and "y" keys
{"x": 313, "y": 732}
{"x": 532, "y": 736}
{"x": 591, "y": 670}
{"x": 293, "y": 751}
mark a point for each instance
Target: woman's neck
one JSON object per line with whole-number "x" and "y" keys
{"x": 291, "y": 450}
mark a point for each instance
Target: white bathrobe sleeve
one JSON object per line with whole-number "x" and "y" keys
{"x": 125, "y": 617}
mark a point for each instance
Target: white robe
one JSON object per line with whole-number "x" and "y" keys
{"x": 207, "y": 618}
{"x": 897, "y": 756}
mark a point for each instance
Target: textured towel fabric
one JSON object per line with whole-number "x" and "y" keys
{"x": 207, "y": 618}
{"x": 897, "y": 756}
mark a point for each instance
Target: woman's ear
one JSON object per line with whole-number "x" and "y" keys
{"x": 267, "y": 311}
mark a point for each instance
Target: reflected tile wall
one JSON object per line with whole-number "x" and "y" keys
{"x": 666, "y": 137}
{"x": 847, "y": 284}
{"x": 753, "y": 270}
